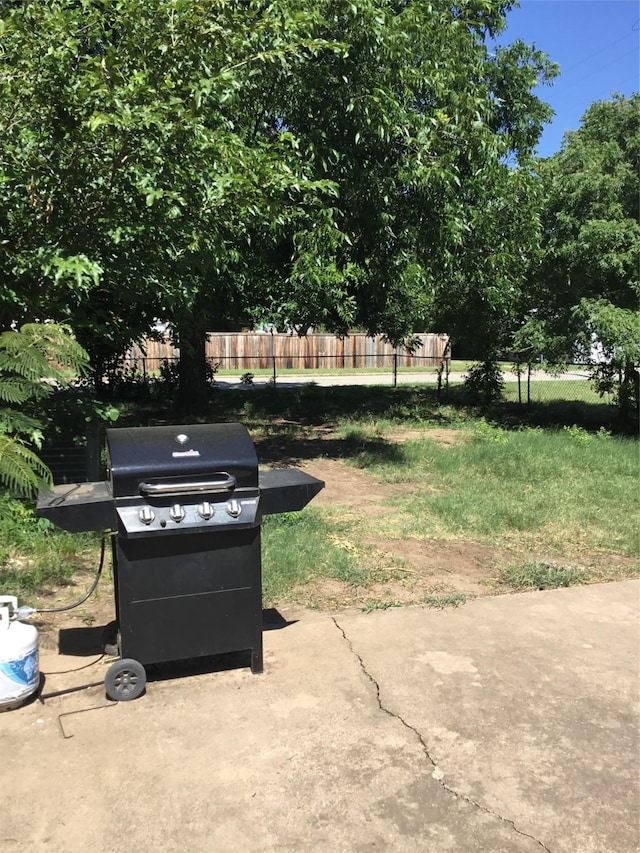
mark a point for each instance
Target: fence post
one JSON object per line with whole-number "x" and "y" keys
{"x": 273, "y": 358}
{"x": 395, "y": 369}
{"x": 519, "y": 374}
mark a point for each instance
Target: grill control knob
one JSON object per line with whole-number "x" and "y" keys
{"x": 146, "y": 515}
{"x": 176, "y": 512}
{"x": 205, "y": 510}
{"x": 234, "y": 508}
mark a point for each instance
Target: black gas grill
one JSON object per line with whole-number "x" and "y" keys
{"x": 186, "y": 504}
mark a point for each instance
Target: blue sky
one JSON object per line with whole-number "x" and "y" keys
{"x": 596, "y": 43}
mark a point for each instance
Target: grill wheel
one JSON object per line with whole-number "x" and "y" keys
{"x": 125, "y": 680}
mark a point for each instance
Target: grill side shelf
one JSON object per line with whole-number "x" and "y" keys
{"x": 286, "y": 490}
{"x": 78, "y": 507}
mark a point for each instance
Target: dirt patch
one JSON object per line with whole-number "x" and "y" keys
{"x": 90, "y": 617}
{"x": 430, "y": 571}
{"x": 441, "y": 565}
{"x": 416, "y": 568}
{"x": 395, "y": 571}
{"x": 408, "y": 570}
{"x": 445, "y": 437}
{"x": 414, "y": 571}
{"x": 351, "y": 487}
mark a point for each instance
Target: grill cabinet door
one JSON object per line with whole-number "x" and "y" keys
{"x": 190, "y": 596}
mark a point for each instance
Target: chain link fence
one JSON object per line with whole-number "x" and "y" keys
{"x": 539, "y": 386}
{"x": 521, "y": 384}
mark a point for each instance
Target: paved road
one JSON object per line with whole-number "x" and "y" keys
{"x": 509, "y": 724}
{"x": 286, "y": 380}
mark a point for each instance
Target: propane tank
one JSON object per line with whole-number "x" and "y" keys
{"x": 19, "y": 673}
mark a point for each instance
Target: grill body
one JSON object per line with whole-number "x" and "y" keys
{"x": 187, "y": 563}
{"x": 186, "y": 504}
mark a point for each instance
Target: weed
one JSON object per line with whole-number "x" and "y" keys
{"x": 577, "y": 434}
{"x": 376, "y": 604}
{"x": 484, "y": 382}
{"x": 485, "y": 431}
{"x": 539, "y": 575}
{"x": 358, "y": 435}
{"x": 169, "y": 378}
{"x": 441, "y": 601}
{"x": 35, "y": 558}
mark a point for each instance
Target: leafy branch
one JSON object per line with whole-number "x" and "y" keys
{"x": 33, "y": 360}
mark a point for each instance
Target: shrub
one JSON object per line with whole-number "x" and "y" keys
{"x": 484, "y": 382}
{"x": 33, "y": 360}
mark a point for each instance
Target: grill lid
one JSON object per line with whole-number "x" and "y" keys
{"x": 170, "y": 460}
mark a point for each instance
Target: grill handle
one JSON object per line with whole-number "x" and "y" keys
{"x": 185, "y": 487}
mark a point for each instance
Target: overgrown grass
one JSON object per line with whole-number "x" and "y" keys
{"x": 537, "y": 575}
{"x": 300, "y": 548}
{"x": 296, "y": 548}
{"x": 551, "y": 496}
{"x": 36, "y": 558}
{"x": 561, "y": 489}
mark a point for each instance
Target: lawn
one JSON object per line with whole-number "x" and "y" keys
{"x": 467, "y": 511}
{"x": 554, "y": 489}
{"x": 425, "y": 502}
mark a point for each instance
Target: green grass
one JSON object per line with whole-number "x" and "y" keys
{"x": 375, "y": 604}
{"x": 536, "y": 575}
{"x": 296, "y": 549}
{"x": 556, "y": 488}
{"x": 441, "y": 602}
{"x": 437, "y": 602}
{"x": 284, "y": 370}
{"x": 312, "y": 404}
{"x": 300, "y": 548}
{"x": 561, "y": 495}
{"x": 35, "y": 558}
{"x": 551, "y": 496}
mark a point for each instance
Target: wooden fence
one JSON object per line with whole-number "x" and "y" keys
{"x": 250, "y": 350}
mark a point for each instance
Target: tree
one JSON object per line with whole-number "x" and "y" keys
{"x": 126, "y": 191}
{"x": 33, "y": 360}
{"x": 428, "y": 138}
{"x": 588, "y": 282}
{"x": 335, "y": 163}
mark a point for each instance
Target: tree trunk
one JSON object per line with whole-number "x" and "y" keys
{"x": 629, "y": 397}
{"x": 102, "y": 389}
{"x": 193, "y": 388}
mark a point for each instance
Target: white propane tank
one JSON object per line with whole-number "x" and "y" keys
{"x": 19, "y": 673}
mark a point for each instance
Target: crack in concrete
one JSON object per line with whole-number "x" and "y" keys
{"x": 425, "y": 748}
